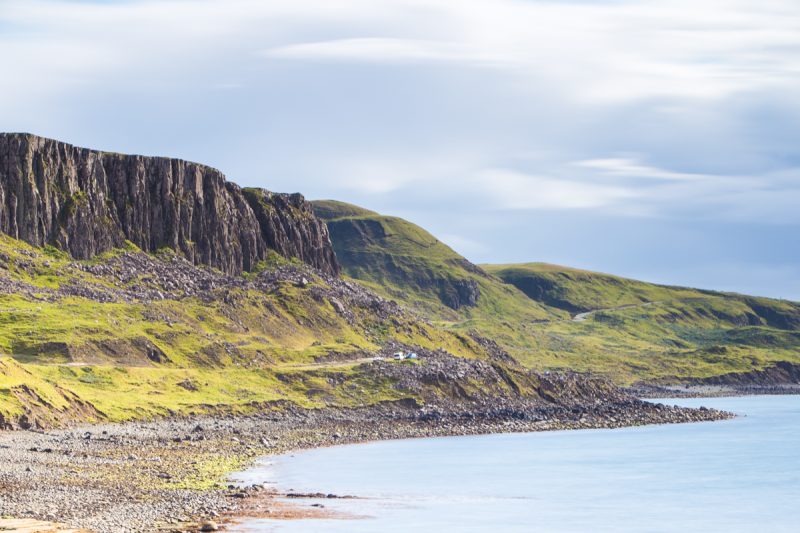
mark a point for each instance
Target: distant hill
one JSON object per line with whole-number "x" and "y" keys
{"x": 577, "y": 290}
{"x": 403, "y": 261}
{"x": 564, "y": 318}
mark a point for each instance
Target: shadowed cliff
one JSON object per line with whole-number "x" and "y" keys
{"x": 87, "y": 202}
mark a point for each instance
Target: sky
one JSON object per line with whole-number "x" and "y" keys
{"x": 655, "y": 139}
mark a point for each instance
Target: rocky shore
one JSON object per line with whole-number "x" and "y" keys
{"x": 711, "y": 390}
{"x": 779, "y": 378}
{"x": 170, "y": 475}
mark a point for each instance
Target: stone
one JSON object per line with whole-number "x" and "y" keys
{"x": 189, "y": 385}
{"x": 209, "y": 526}
{"x": 87, "y": 202}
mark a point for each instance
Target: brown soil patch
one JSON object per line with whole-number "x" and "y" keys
{"x": 26, "y": 525}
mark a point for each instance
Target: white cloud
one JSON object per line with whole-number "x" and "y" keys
{"x": 631, "y": 168}
{"x": 601, "y": 52}
{"x": 767, "y": 197}
{"x": 593, "y": 51}
{"x": 384, "y": 51}
{"x": 681, "y": 109}
{"x": 514, "y": 190}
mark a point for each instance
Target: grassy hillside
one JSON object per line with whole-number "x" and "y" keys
{"x": 404, "y": 262}
{"x": 131, "y": 335}
{"x": 577, "y": 290}
{"x": 626, "y": 329}
{"x": 635, "y": 330}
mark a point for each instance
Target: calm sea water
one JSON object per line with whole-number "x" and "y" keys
{"x": 732, "y": 476}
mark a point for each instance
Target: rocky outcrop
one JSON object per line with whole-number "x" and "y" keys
{"x": 781, "y": 377}
{"x": 780, "y": 373}
{"x": 545, "y": 290}
{"x": 289, "y": 226}
{"x": 457, "y": 293}
{"x": 87, "y": 202}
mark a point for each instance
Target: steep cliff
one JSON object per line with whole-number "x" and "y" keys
{"x": 87, "y": 202}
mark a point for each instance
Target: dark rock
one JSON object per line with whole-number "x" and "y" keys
{"x": 458, "y": 293}
{"x": 189, "y": 385}
{"x": 780, "y": 373}
{"x": 289, "y": 226}
{"x": 87, "y": 202}
{"x": 24, "y": 422}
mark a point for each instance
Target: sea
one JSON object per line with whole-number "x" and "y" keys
{"x": 739, "y": 475}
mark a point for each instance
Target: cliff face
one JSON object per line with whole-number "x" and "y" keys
{"x": 87, "y": 202}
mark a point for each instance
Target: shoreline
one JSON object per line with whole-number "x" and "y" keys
{"x": 646, "y": 392}
{"x": 168, "y": 475}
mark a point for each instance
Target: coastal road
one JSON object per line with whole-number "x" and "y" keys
{"x": 334, "y": 364}
{"x": 581, "y": 317}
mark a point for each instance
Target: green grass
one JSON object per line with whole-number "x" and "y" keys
{"x": 73, "y": 358}
{"x": 65, "y": 357}
{"x": 645, "y": 332}
{"x": 333, "y": 209}
{"x": 580, "y": 290}
{"x": 650, "y": 331}
{"x": 404, "y": 262}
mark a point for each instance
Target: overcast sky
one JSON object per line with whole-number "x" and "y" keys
{"x": 656, "y": 139}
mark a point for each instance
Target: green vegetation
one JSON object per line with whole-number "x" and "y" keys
{"x": 73, "y": 347}
{"x": 80, "y": 354}
{"x": 644, "y": 331}
{"x": 641, "y": 331}
{"x": 579, "y": 290}
{"x": 406, "y": 263}
{"x": 331, "y": 209}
